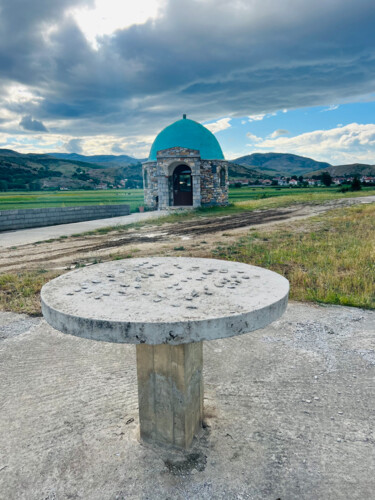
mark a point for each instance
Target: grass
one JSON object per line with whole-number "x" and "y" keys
{"x": 293, "y": 197}
{"x": 134, "y": 197}
{"x": 20, "y": 292}
{"x": 11, "y": 200}
{"x": 329, "y": 259}
{"x": 257, "y": 193}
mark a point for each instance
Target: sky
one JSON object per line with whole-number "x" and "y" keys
{"x": 105, "y": 76}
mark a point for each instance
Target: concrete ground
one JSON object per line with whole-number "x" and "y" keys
{"x": 289, "y": 414}
{"x": 26, "y": 236}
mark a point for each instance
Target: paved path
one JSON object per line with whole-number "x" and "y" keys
{"x": 25, "y": 236}
{"x": 289, "y": 412}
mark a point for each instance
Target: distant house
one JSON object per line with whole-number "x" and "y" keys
{"x": 282, "y": 182}
{"x": 366, "y": 179}
{"x": 293, "y": 182}
{"x": 313, "y": 182}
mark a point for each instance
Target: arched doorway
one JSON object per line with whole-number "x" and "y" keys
{"x": 182, "y": 186}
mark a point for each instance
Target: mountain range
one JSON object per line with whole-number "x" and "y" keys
{"x": 75, "y": 171}
{"x": 281, "y": 163}
{"x": 104, "y": 160}
{"x": 35, "y": 171}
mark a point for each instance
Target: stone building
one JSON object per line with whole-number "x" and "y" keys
{"x": 186, "y": 167}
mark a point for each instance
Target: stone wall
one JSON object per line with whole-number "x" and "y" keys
{"x": 207, "y": 187}
{"x": 212, "y": 193}
{"x": 168, "y": 160}
{"x": 150, "y": 184}
{"x": 38, "y": 217}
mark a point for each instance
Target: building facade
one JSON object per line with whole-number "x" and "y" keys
{"x": 186, "y": 167}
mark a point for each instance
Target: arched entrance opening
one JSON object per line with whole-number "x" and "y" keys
{"x": 182, "y": 186}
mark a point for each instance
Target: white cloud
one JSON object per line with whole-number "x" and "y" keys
{"x": 107, "y": 16}
{"x": 332, "y": 107}
{"x": 261, "y": 116}
{"x": 21, "y": 94}
{"x": 219, "y": 125}
{"x": 348, "y": 144}
{"x": 255, "y": 118}
{"x": 253, "y": 138}
{"x": 139, "y": 146}
{"x": 278, "y": 132}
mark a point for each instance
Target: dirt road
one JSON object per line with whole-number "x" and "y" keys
{"x": 193, "y": 237}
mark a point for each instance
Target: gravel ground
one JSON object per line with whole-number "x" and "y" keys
{"x": 289, "y": 414}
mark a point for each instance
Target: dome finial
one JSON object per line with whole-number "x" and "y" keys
{"x": 184, "y": 116}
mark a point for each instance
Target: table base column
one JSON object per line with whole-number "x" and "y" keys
{"x": 170, "y": 392}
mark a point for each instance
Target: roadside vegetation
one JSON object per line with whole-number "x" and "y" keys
{"x": 328, "y": 259}
{"x": 292, "y": 197}
{"x": 20, "y": 292}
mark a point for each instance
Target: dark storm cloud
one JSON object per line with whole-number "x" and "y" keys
{"x": 24, "y": 52}
{"x": 204, "y": 57}
{"x": 28, "y": 123}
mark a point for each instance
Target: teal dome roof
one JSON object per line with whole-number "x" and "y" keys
{"x": 187, "y": 133}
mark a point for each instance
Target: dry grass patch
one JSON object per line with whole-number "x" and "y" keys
{"x": 303, "y": 198}
{"x": 20, "y": 292}
{"x": 329, "y": 259}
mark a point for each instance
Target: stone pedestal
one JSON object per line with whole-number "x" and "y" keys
{"x": 170, "y": 392}
{"x": 167, "y": 306}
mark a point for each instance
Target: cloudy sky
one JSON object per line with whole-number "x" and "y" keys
{"x": 105, "y": 76}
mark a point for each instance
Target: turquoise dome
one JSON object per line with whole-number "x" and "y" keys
{"x": 187, "y": 133}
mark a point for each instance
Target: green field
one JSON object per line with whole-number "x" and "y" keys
{"x": 134, "y": 197}
{"x": 43, "y": 199}
{"x": 258, "y": 193}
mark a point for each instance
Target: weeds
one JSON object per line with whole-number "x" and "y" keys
{"x": 300, "y": 197}
{"x": 330, "y": 259}
{"x": 20, "y": 292}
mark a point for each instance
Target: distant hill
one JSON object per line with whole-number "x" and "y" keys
{"x": 9, "y": 152}
{"x": 244, "y": 172}
{"x": 74, "y": 171}
{"x": 103, "y": 160}
{"x": 34, "y": 171}
{"x": 348, "y": 170}
{"x": 281, "y": 163}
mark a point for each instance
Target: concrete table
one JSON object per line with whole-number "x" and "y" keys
{"x": 168, "y": 307}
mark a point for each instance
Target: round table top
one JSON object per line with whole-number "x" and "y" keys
{"x": 164, "y": 300}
